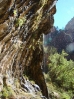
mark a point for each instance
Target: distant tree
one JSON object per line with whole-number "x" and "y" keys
{"x": 61, "y": 71}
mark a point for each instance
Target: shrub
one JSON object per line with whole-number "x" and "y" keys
{"x": 7, "y": 92}
{"x": 65, "y": 96}
{"x": 61, "y": 71}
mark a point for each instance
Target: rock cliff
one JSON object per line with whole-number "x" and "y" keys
{"x": 70, "y": 25}
{"x": 22, "y": 23}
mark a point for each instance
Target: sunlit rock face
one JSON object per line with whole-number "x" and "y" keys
{"x": 60, "y": 39}
{"x": 70, "y": 25}
{"x": 22, "y": 23}
{"x": 70, "y": 48}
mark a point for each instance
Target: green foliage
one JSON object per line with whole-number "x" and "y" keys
{"x": 15, "y": 12}
{"x": 61, "y": 71}
{"x": 7, "y": 92}
{"x": 50, "y": 50}
{"x": 20, "y": 21}
{"x": 65, "y": 96}
{"x": 0, "y": 94}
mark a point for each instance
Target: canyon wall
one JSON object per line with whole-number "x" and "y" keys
{"x": 22, "y": 23}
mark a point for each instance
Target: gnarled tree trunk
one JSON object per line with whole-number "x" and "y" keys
{"x": 21, "y": 24}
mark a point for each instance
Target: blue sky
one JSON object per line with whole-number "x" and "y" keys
{"x": 65, "y": 11}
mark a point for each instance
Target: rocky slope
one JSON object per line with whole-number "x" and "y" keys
{"x": 22, "y": 23}
{"x": 62, "y": 39}
{"x": 70, "y": 25}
